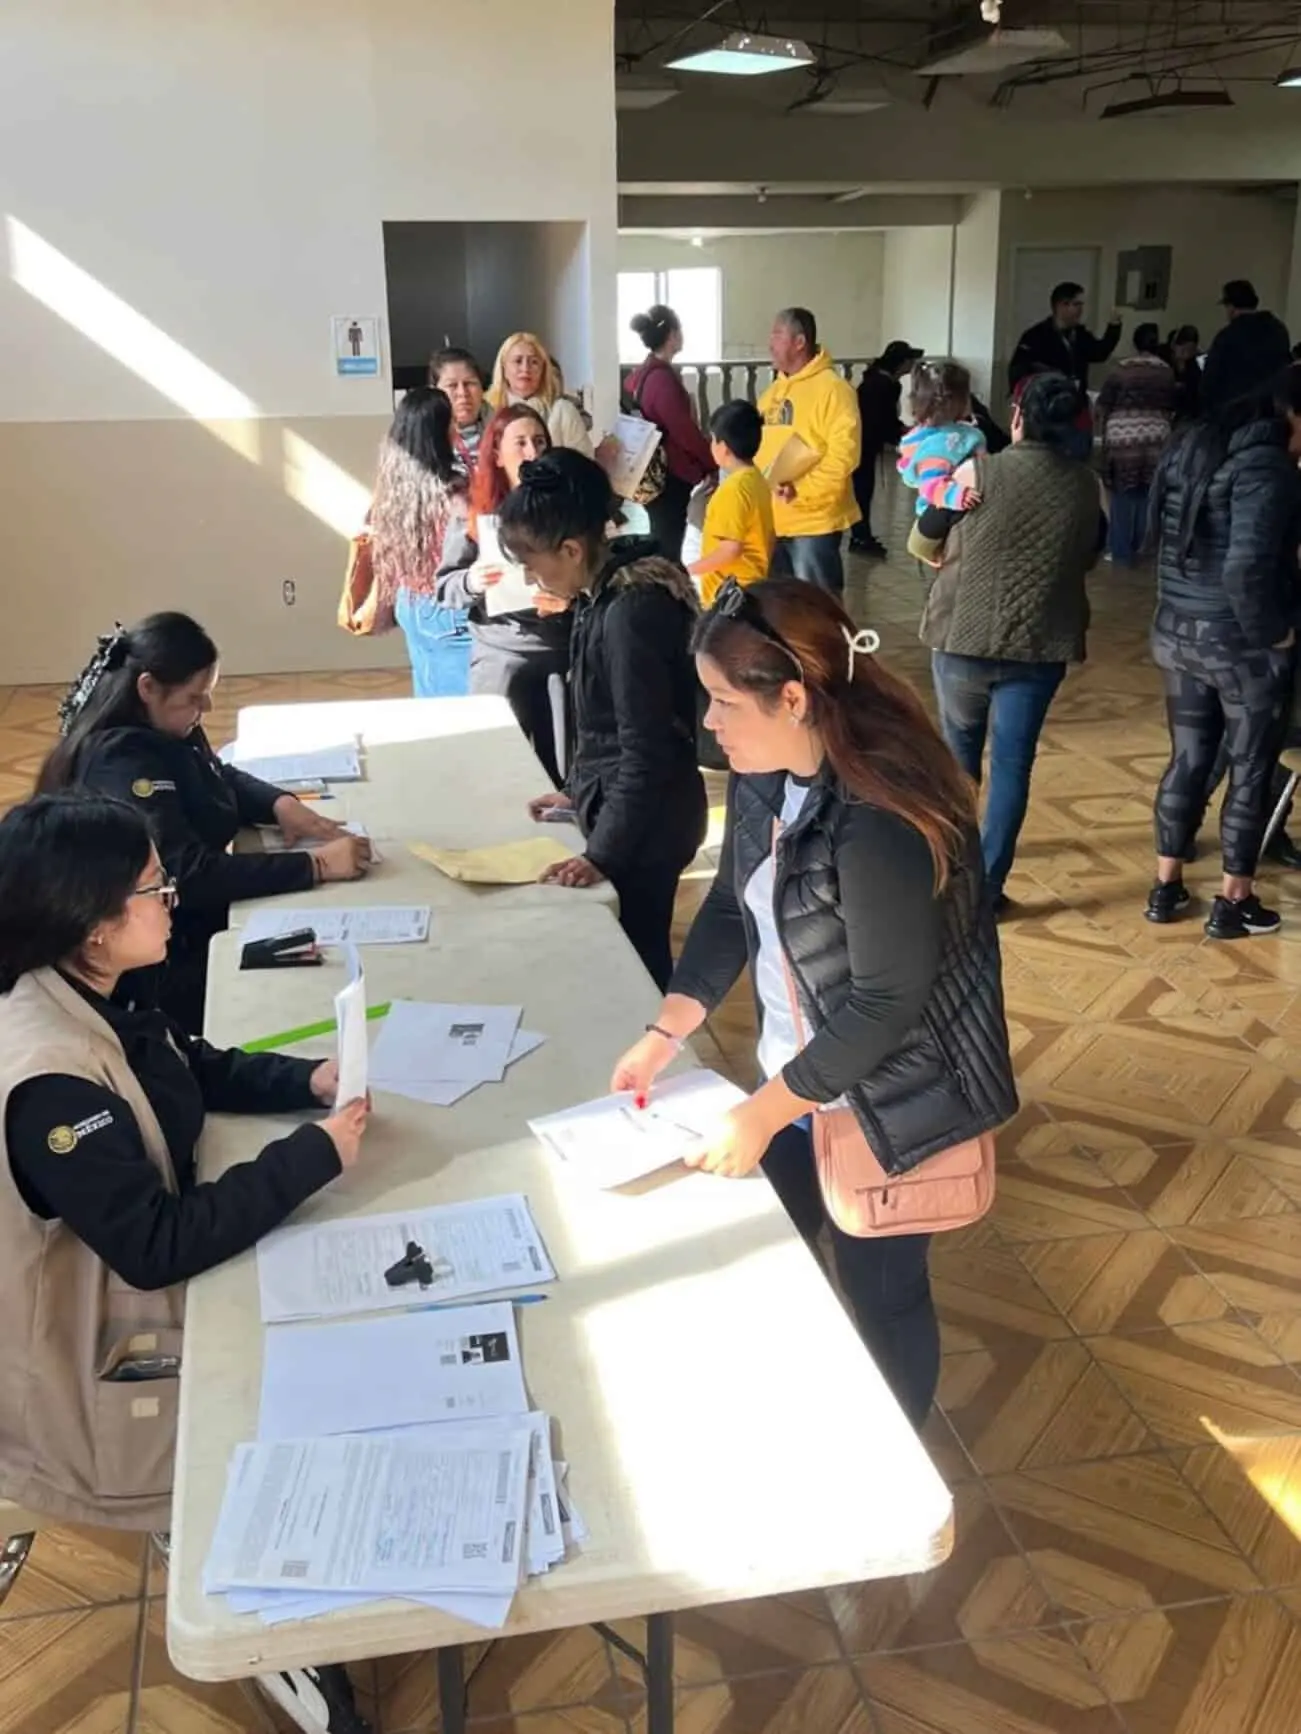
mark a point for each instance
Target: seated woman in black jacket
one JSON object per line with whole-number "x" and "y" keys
{"x": 633, "y": 780}
{"x": 851, "y": 860}
{"x": 103, "y": 1219}
{"x": 132, "y": 729}
{"x": 1226, "y": 510}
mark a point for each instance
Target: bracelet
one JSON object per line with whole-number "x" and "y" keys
{"x": 659, "y": 1030}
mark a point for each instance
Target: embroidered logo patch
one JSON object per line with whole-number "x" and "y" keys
{"x": 63, "y": 1140}
{"x": 142, "y": 788}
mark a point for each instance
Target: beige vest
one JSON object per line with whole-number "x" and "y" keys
{"x": 73, "y": 1443}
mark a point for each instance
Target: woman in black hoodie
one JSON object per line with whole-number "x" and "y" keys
{"x": 633, "y": 780}
{"x": 1226, "y": 508}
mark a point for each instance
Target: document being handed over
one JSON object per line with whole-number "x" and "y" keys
{"x": 611, "y": 1141}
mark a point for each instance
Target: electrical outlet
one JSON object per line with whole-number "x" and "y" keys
{"x": 289, "y": 591}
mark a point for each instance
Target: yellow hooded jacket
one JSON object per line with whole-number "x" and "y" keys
{"x": 823, "y": 410}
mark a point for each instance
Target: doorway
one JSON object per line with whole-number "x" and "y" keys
{"x": 1036, "y": 271}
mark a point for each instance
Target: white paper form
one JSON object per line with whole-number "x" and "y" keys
{"x": 331, "y": 1269}
{"x": 274, "y": 842}
{"x": 406, "y": 1514}
{"x": 444, "y": 1093}
{"x": 338, "y": 763}
{"x": 632, "y": 443}
{"x": 353, "y": 1042}
{"x": 512, "y": 591}
{"x": 611, "y": 1141}
{"x": 424, "y": 1043}
{"x": 370, "y": 924}
{"x": 401, "y": 1370}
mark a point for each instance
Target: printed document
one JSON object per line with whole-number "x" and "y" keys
{"x": 626, "y": 452}
{"x": 512, "y": 592}
{"x": 443, "y": 1093}
{"x": 353, "y": 1047}
{"x": 340, "y": 763}
{"x": 331, "y": 1269}
{"x": 272, "y": 840}
{"x": 423, "y": 1042}
{"x": 370, "y": 924}
{"x": 400, "y": 1370}
{"x": 612, "y": 1141}
{"x": 391, "y": 1515}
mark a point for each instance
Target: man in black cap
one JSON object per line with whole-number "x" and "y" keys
{"x": 1252, "y": 346}
{"x": 879, "y": 391}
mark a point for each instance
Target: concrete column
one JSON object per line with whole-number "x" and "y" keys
{"x": 977, "y": 251}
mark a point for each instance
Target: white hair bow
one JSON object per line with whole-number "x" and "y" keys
{"x": 864, "y": 642}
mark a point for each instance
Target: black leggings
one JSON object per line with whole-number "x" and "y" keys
{"x": 1218, "y": 694}
{"x": 668, "y": 517}
{"x": 885, "y": 1279}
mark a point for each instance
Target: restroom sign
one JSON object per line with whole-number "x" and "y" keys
{"x": 356, "y": 344}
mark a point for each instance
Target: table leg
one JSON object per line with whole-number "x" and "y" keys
{"x": 451, "y": 1689}
{"x": 659, "y": 1674}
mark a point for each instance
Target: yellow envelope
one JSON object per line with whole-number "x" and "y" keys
{"x": 785, "y": 460}
{"x": 497, "y": 863}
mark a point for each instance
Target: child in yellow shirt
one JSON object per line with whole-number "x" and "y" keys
{"x": 738, "y": 537}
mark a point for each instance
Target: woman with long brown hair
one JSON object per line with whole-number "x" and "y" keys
{"x": 850, "y": 883}
{"x": 523, "y": 654}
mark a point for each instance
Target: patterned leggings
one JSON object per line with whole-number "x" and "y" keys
{"x": 1218, "y": 694}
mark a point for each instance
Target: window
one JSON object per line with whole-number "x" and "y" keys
{"x": 695, "y": 294}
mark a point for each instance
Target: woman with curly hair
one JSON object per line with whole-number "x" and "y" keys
{"x": 525, "y": 373}
{"x": 522, "y": 655}
{"x": 419, "y": 491}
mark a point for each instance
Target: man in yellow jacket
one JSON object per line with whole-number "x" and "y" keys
{"x": 811, "y": 514}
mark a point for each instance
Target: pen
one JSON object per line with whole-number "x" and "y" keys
{"x": 517, "y": 1300}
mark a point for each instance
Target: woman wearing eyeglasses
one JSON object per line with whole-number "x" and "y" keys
{"x": 132, "y": 727}
{"x": 633, "y": 780}
{"x": 102, "y": 1220}
{"x": 850, "y": 878}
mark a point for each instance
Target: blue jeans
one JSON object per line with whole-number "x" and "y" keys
{"x": 815, "y": 559}
{"x": 1127, "y": 529}
{"x": 1007, "y": 701}
{"x": 438, "y": 644}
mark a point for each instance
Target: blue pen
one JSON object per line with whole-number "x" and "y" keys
{"x": 518, "y": 1300}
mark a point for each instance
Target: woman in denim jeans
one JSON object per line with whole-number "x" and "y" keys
{"x": 419, "y": 492}
{"x": 1008, "y": 610}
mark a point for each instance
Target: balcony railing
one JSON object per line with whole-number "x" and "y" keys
{"x": 710, "y": 383}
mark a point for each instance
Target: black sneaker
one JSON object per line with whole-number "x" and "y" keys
{"x": 1167, "y": 902}
{"x": 317, "y": 1700}
{"x": 870, "y": 548}
{"x": 1241, "y": 918}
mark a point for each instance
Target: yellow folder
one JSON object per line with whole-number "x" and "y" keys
{"x": 784, "y": 456}
{"x": 496, "y": 863}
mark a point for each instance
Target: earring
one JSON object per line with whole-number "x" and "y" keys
{"x": 792, "y": 719}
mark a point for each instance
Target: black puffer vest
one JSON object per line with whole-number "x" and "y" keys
{"x": 950, "y": 1079}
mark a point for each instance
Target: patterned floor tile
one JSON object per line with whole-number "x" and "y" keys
{"x": 75, "y": 1568}
{"x": 1183, "y": 1378}
{"x": 1037, "y": 1683}
{"x": 1130, "y": 1533}
{"x": 1122, "y": 1282}
{"x": 818, "y": 1701}
{"x": 1230, "y": 1667}
{"x": 68, "y": 1673}
{"x": 1202, "y": 1184}
{"x": 1252, "y": 1483}
{"x": 773, "y": 1634}
{"x": 1256, "y": 1266}
{"x": 510, "y": 1678}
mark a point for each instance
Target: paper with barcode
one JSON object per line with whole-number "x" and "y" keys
{"x": 388, "y": 1515}
{"x": 399, "y": 1370}
{"x": 329, "y": 1269}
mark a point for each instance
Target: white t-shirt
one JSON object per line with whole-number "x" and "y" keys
{"x": 779, "y": 1041}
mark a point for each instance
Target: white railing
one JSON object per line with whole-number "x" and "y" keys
{"x": 710, "y": 383}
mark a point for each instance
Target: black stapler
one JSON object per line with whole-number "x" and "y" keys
{"x": 286, "y": 951}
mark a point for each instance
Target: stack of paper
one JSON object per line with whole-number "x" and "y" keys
{"x": 273, "y": 842}
{"x": 439, "y": 1053}
{"x": 612, "y": 1141}
{"x": 337, "y": 763}
{"x": 331, "y": 1269}
{"x": 371, "y": 924}
{"x": 399, "y": 1457}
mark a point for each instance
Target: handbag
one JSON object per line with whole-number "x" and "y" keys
{"x": 363, "y": 611}
{"x": 656, "y": 474}
{"x": 951, "y": 1189}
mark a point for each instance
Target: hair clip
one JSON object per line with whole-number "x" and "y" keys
{"x": 110, "y": 653}
{"x": 864, "y": 642}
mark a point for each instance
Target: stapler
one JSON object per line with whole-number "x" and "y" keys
{"x": 286, "y": 951}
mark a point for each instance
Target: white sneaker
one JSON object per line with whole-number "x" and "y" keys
{"x": 317, "y": 1700}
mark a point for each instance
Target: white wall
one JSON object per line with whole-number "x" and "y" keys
{"x": 194, "y": 191}
{"x": 1214, "y": 235}
{"x": 917, "y": 282}
{"x": 837, "y": 276}
{"x": 976, "y": 255}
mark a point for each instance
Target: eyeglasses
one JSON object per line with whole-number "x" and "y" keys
{"x": 165, "y": 891}
{"x": 734, "y": 602}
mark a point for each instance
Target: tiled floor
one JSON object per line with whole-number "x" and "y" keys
{"x": 1120, "y": 1411}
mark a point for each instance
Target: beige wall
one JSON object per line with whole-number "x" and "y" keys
{"x": 838, "y": 276}
{"x": 917, "y": 276}
{"x": 187, "y": 195}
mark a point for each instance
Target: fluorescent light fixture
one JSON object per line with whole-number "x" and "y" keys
{"x": 742, "y": 55}
{"x": 635, "y": 93}
{"x": 1289, "y": 80}
{"x": 996, "y": 52}
{"x": 1170, "y": 103}
{"x": 848, "y": 102}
